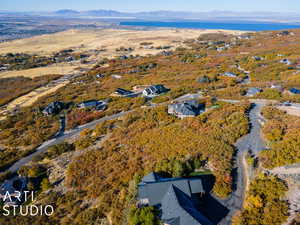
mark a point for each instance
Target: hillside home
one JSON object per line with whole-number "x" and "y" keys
{"x": 98, "y": 105}
{"x": 120, "y": 92}
{"x": 53, "y": 108}
{"x": 253, "y": 91}
{"x": 294, "y": 91}
{"x": 13, "y": 188}
{"x": 176, "y": 198}
{"x": 229, "y": 74}
{"x": 257, "y": 58}
{"x": 155, "y": 90}
{"x": 185, "y": 109}
{"x": 286, "y": 61}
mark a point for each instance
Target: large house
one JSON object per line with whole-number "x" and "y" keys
{"x": 253, "y": 91}
{"x": 184, "y": 109}
{"x": 53, "y": 108}
{"x": 155, "y": 90}
{"x": 294, "y": 91}
{"x": 286, "y": 61}
{"x": 175, "y": 197}
{"x": 11, "y": 189}
{"x": 98, "y": 105}
{"x": 229, "y": 74}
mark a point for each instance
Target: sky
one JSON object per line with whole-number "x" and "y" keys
{"x": 152, "y": 5}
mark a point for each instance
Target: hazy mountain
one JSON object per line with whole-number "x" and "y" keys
{"x": 178, "y": 15}
{"x": 67, "y": 12}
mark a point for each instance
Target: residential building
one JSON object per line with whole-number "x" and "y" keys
{"x": 286, "y": 61}
{"x": 155, "y": 90}
{"x": 176, "y": 198}
{"x": 294, "y": 91}
{"x": 12, "y": 188}
{"x": 185, "y": 109}
{"x": 98, "y": 105}
{"x": 253, "y": 91}
{"x": 53, "y": 108}
{"x": 229, "y": 74}
{"x": 120, "y": 92}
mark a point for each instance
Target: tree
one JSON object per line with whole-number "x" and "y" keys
{"x": 45, "y": 184}
{"x": 143, "y": 216}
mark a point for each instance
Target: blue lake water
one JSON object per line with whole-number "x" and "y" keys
{"x": 214, "y": 25}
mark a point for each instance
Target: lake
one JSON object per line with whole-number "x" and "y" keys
{"x": 243, "y": 26}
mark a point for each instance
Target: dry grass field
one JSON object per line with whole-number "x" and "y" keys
{"x": 60, "y": 69}
{"x": 108, "y": 39}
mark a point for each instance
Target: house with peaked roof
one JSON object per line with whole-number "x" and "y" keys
{"x": 185, "y": 109}
{"x": 229, "y": 74}
{"x": 294, "y": 91}
{"x": 155, "y": 90}
{"x": 176, "y": 198}
{"x": 253, "y": 91}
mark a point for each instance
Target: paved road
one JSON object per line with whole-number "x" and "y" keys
{"x": 68, "y": 134}
{"x": 252, "y": 141}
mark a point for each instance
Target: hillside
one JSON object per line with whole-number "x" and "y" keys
{"x": 88, "y": 160}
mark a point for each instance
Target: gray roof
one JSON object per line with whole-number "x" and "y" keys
{"x": 155, "y": 190}
{"x": 151, "y": 177}
{"x": 186, "y": 108}
{"x": 178, "y": 208}
{"x": 229, "y": 74}
{"x": 156, "y": 89}
{"x": 174, "y": 197}
{"x": 253, "y": 91}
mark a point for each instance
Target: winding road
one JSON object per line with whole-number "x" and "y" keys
{"x": 60, "y": 138}
{"x": 252, "y": 141}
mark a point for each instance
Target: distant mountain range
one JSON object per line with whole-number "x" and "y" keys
{"x": 173, "y": 15}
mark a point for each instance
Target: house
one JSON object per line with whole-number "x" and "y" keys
{"x": 275, "y": 86}
{"x": 116, "y": 76}
{"x": 294, "y": 91}
{"x": 53, "y": 108}
{"x": 185, "y": 109}
{"x": 120, "y": 92}
{"x": 286, "y": 61}
{"x": 123, "y": 57}
{"x": 99, "y": 75}
{"x": 175, "y": 197}
{"x": 12, "y": 187}
{"x": 253, "y": 91}
{"x": 98, "y": 105}
{"x": 166, "y": 53}
{"x": 203, "y": 79}
{"x": 257, "y": 58}
{"x": 229, "y": 74}
{"x": 285, "y": 33}
{"x": 155, "y": 90}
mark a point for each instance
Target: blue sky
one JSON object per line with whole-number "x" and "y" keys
{"x": 150, "y": 5}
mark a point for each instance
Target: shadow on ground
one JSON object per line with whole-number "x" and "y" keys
{"x": 208, "y": 205}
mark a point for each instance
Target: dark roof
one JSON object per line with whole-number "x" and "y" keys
{"x": 186, "y": 108}
{"x": 253, "y": 91}
{"x": 122, "y": 91}
{"x": 177, "y": 207}
{"x": 295, "y": 90}
{"x": 53, "y": 108}
{"x": 156, "y": 89}
{"x": 155, "y": 190}
{"x": 174, "y": 197}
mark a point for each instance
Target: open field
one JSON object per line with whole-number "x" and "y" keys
{"x": 60, "y": 69}
{"x": 108, "y": 39}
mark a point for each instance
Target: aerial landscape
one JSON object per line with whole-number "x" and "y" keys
{"x": 150, "y": 113}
